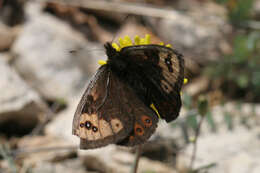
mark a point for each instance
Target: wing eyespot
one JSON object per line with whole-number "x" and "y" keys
{"x": 139, "y": 130}
{"x": 147, "y": 121}
{"x": 94, "y": 129}
{"x": 88, "y": 125}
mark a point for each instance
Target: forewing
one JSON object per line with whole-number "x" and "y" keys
{"x": 101, "y": 118}
{"x": 162, "y": 71}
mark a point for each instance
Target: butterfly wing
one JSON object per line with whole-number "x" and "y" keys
{"x": 106, "y": 112}
{"x": 145, "y": 119}
{"x": 161, "y": 72}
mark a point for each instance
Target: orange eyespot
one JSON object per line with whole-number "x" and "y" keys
{"x": 139, "y": 129}
{"x": 147, "y": 121}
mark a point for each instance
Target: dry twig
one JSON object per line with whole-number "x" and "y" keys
{"x": 121, "y": 7}
{"x": 137, "y": 158}
{"x": 194, "y": 151}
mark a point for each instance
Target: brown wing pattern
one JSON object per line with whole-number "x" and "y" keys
{"x": 100, "y": 119}
{"x": 163, "y": 73}
{"x": 108, "y": 111}
{"x": 144, "y": 118}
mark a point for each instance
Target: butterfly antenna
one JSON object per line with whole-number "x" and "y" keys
{"x": 124, "y": 21}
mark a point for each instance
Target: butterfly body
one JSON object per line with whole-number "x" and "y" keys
{"x": 115, "y": 108}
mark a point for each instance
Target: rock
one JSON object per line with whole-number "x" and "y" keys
{"x": 72, "y": 165}
{"x": 20, "y": 105}
{"x": 256, "y": 7}
{"x": 49, "y": 148}
{"x": 132, "y": 28}
{"x": 92, "y": 163}
{"x": 118, "y": 159}
{"x": 233, "y": 152}
{"x": 12, "y": 12}
{"x": 245, "y": 114}
{"x": 7, "y": 36}
{"x": 197, "y": 86}
{"x": 44, "y": 58}
{"x": 195, "y": 34}
{"x": 61, "y": 125}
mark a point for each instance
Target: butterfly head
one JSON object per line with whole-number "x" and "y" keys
{"x": 110, "y": 51}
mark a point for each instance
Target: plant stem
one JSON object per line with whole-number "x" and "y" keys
{"x": 137, "y": 158}
{"x": 197, "y": 133}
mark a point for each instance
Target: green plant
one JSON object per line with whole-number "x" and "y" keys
{"x": 5, "y": 153}
{"x": 239, "y": 10}
{"x": 242, "y": 67}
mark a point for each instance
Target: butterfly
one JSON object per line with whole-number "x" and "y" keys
{"x": 116, "y": 106}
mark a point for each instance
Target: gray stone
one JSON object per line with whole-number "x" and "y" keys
{"x": 44, "y": 58}
{"x": 73, "y": 165}
{"x": 233, "y": 151}
{"x": 18, "y": 102}
{"x": 61, "y": 125}
{"x": 7, "y": 36}
{"x": 256, "y": 7}
{"x": 120, "y": 160}
{"x": 195, "y": 34}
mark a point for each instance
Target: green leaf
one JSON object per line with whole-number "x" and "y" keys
{"x": 211, "y": 121}
{"x": 243, "y": 81}
{"x": 184, "y": 130}
{"x": 240, "y": 11}
{"x": 228, "y": 120}
{"x": 192, "y": 121}
{"x": 202, "y": 105}
{"x": 187, "y": 101}
{"x": 241, "y": 50}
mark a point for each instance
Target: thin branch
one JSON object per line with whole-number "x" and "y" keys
{"x": 121, "y": 7}
{"x": 137, "y": 158}
{"x": 43, "y": 149}
{"x": 5, "y": 153}
{"x": 194, "y": 152}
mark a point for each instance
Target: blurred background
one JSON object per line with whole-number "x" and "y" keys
{"x": 49, "y": 50}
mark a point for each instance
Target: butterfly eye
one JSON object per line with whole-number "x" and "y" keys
{"x": 146, "y": 120}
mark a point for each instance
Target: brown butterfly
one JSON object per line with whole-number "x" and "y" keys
{"x": 115, "y": 107}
